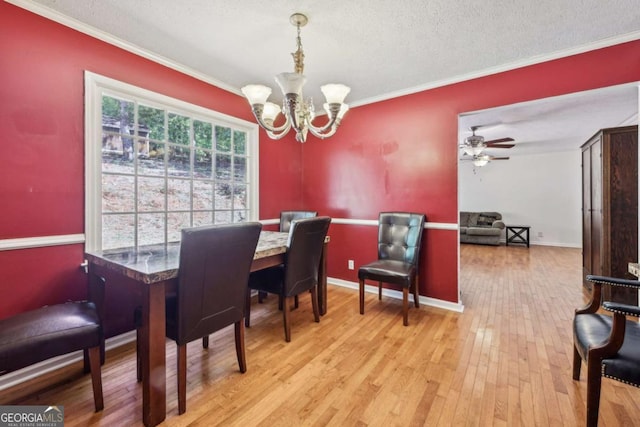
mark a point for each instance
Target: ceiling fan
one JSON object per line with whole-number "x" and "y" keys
{"x": 474, "y": 144}
{"x": 480, "y": 160}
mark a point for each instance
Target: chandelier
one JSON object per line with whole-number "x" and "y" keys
{"x": 298, "y": 112}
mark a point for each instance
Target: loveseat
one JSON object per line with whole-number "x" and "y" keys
{"x": 484, "y": 228}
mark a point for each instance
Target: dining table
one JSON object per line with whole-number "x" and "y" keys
{"x": 154, "y": 269}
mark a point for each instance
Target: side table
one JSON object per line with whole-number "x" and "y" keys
{"x": 517, "y": 235}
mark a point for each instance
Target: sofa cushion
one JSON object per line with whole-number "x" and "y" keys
{"x": 473, "y": 219}
{"x": 485, "y": 220}
{"x": 483, "y": 231}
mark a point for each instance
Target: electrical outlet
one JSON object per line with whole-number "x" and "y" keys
{"x": 351, "y": 267}
{"x": 540, "y": 234}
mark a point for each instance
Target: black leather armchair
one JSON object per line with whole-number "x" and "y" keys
{"x": 610, "y": 345}
{"x": 298, "y": 274}
{"x": 399, "y": 240}
{"x": 215, "y": 262}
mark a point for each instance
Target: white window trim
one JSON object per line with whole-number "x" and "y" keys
{"x": 95, "y": 86}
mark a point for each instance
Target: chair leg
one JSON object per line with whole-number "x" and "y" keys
{"x": 205, "y": 341}
{"x": 286, "y": 313}
{"x": 379, "y": 291}
{"x": 577, "y": 364}
{"x": 261, "y": 296}
{"x": 361, "y": 296}
{"x": 314, "y": 304}
{"x": 242, "y": 361}
{"x": 247, "y": 309}
{"x": 138, "y": 357}
{"x": 405, "y": 306}
{"x": 93, "y": 355}
{"x": 182, "y": 379}
{"x": 295, "y": 301}
{"x": 594, "y": 381}
{"x": 416, "y": 295}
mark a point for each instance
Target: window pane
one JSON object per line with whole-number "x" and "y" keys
{"x": 239, "y": 196}
{"x": 179, "y": 161}
{"x": 239, "y": 142}
{"x": 240, "y": 169}
{"x": 223, "y": 217}
{"x": 202, "y": 195}
{"x": 117, "y": 114}
{"x": 176, "y": 221}
{"x": 179, "y": 194}
{"x": 118, "y": 193}
{"x": 151, "y": 123}
{"x": 202, "y": 134}
{"x": 151, "y": 194}
{"x": 223, "y": 139}
{"x": 203, "y": 165}
{"x": 223, "y": 166}
{"x": 118, "y": 231}
{"x": 150, "y": 229}
{"x": 114, "y": 159}
{"x": 202, "y": 218}
{"x": 240, "y": 216}
{"x": 223, "y": 195}
{"x": 179, "y": 129}
{"x": 152, "y": 163}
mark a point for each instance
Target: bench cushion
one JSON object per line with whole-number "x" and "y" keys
{"x": 50, "y": 331}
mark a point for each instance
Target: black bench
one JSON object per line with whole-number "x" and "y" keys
{"x": 50, "y": 331}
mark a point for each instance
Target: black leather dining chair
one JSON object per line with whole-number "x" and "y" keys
{"x": 399, "y": 241}
{"x": 213, "y": 273}
{"x": 609, "y": 344}
{"x": 287, "y": 216}
{"x": 298, "y": 274}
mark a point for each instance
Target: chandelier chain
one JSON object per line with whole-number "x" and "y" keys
{"x": 298, "y": 55}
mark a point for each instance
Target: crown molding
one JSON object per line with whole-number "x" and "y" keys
{"x": 67, "y": 21}
{"x": 538, "y": 59}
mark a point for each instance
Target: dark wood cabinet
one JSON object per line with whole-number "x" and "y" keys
{"x": 610, "y": 207}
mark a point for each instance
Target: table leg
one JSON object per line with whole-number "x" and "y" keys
{"x": 154, "y": 376}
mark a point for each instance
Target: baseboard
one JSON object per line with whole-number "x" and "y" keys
{"x": 428, "y": 301}
{"x": 30, "y": 372}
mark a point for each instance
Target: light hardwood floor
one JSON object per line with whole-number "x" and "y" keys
{"x": 505, "y": 361}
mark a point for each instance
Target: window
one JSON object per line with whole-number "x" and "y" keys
{"x": 155, "y": 165}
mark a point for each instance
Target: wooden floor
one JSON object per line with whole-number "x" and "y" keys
{"x": 505, "y": 361}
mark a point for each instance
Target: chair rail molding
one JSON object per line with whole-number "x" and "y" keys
{"x": 40, "y": 241}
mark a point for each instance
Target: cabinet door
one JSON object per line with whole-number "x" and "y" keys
{"x": 586, "y": 216}
{"x": 596, "y": 208}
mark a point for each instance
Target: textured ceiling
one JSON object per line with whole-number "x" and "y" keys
{"x": 380, "y": 48}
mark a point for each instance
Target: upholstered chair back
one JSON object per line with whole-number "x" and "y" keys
{"x": 400, "y": 236}
{"x": 287, "y": 216}
{"x": 214, "y": 271}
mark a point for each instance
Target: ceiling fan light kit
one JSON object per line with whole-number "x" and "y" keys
{"x": 474, "y": 146}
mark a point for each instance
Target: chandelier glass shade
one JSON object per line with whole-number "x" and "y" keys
{"x": 298, "y": 112}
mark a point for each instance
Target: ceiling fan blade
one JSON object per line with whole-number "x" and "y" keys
{"x": 500, "y": 145}
{"x": 499, "y": 158}
{"x": 497, "y": 141}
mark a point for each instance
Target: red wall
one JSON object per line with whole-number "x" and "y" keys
{"x": 42, "y": 68}
{"x": 399, "y": 154}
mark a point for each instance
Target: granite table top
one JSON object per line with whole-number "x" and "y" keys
{"x": 155, "y": 263}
